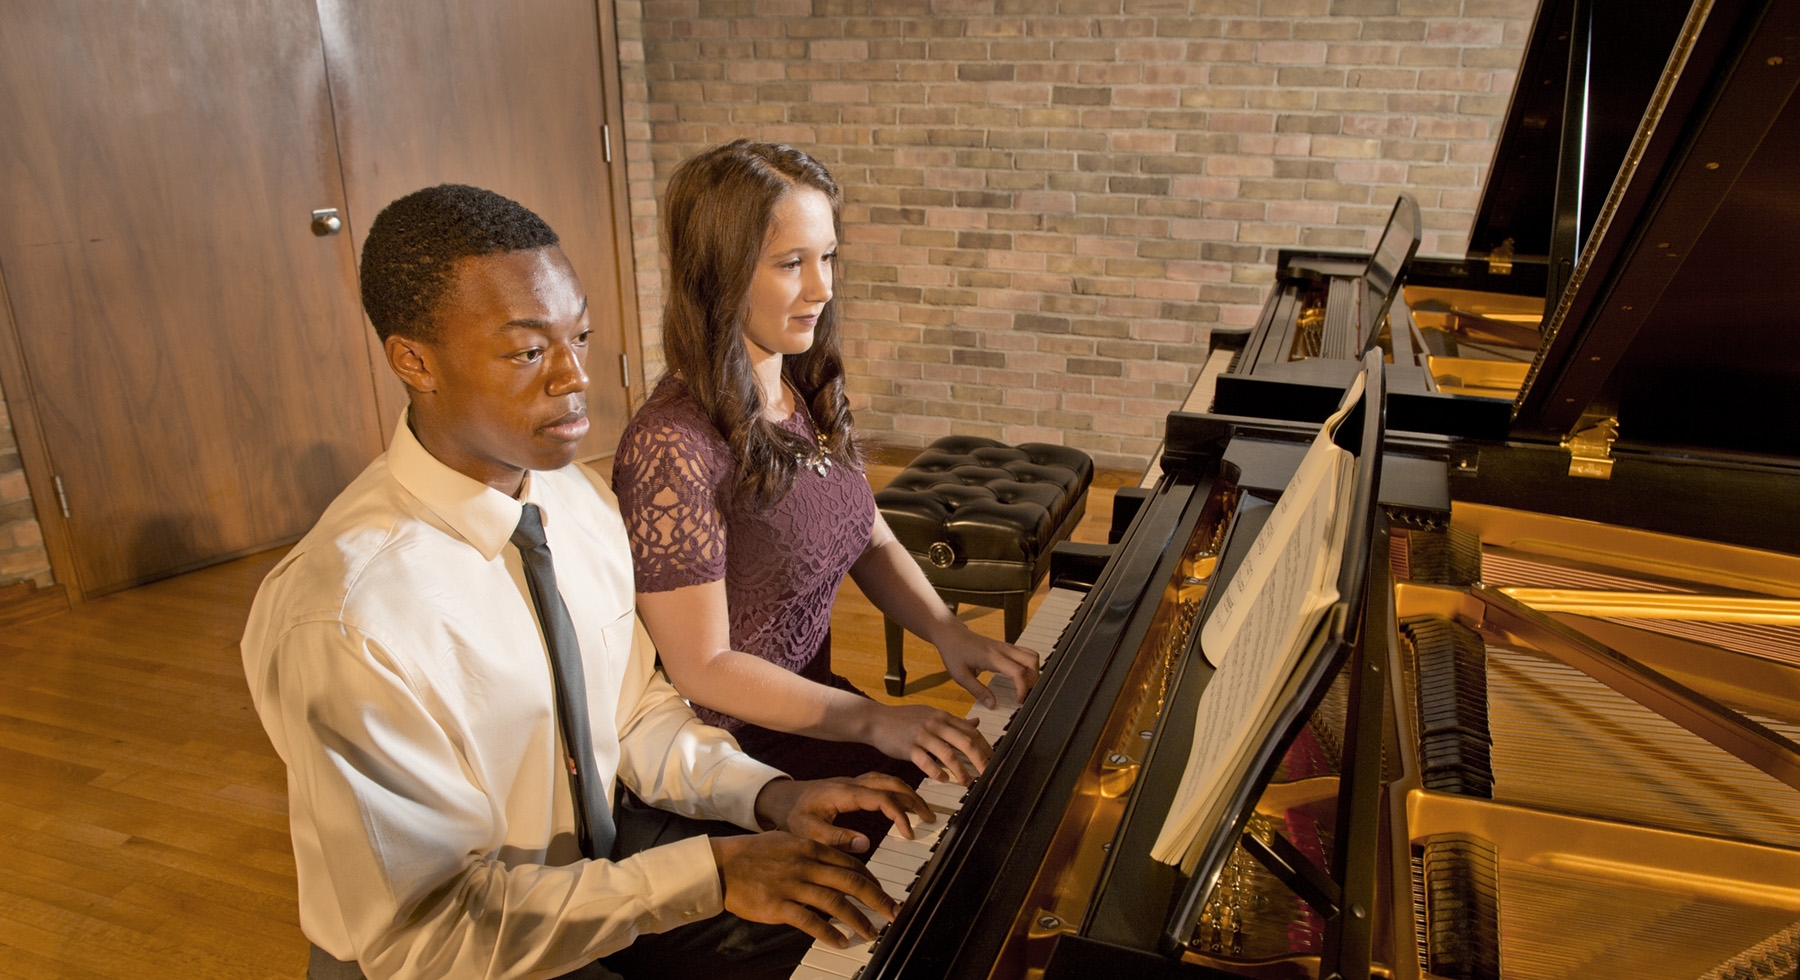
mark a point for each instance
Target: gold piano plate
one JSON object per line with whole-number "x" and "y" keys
{"x": 1474, "y": 376}
{"x": 1665, "y": 556}
{"x": 1065, "y": 880}
{"x": 1525, "y": 311}
{"x": 1615, "y": 840}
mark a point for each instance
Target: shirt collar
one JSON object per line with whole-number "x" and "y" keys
{"x": 483, "y": 516}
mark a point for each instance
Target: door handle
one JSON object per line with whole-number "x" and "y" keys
{"x": 325, "y": 221}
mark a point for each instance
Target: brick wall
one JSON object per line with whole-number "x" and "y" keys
{"x": 22, "y": 554}
{"x": 1051, "y": 202}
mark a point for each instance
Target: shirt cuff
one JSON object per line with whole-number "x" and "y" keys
{"x": 737, "y": 784}
{"x": 683, "y": 882}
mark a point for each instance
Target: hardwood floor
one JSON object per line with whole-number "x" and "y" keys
{"x": 143, "y": 815}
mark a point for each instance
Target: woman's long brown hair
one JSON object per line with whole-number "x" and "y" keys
{"x": 717, "y": 214}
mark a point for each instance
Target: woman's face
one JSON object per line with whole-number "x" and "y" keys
{"x": 793, "y": 275}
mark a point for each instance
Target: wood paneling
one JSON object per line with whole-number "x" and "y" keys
{"x": 195, "y": 352}
{"x": 503, "y": 96}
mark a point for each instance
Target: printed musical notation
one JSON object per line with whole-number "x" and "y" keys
{"x": 1260, "y": 626}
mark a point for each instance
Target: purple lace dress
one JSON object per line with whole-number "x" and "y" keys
{"x": 782, "y": 565}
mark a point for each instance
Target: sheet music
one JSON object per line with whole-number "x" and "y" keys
{"x": 1257, "y": 631}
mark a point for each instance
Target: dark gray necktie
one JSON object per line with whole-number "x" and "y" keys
{"x": 593, "y": 818}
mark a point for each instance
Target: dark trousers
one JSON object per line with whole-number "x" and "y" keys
{"x": 723, "y": 947}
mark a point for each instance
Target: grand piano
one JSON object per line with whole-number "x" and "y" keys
{"x": 1549, "y": 727}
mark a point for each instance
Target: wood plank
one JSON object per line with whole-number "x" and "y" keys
{"x": 23, "y": 964}
{"x": 80, "y": 941}
{"x": 156, "y": 884}
{"x": 27, "y": 602}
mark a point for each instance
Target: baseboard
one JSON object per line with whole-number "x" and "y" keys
{"x": 26, "y": 602}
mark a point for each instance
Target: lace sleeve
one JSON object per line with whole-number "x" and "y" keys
{"x": 669, "y": 481}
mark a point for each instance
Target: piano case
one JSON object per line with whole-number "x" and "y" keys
{"x": 1555, "y": 735}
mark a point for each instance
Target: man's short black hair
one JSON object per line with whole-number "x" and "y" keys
{"x": 414, "y": 242}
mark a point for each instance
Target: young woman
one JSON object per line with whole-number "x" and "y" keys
{"x": 743, "y": 491}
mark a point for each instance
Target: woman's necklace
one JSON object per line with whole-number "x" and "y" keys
{"x": 819, "y": 459}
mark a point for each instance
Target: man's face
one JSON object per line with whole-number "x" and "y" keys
{"x": 504, "y": 385}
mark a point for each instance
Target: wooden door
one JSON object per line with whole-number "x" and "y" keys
{"x": 195, "y": 355}
{"x": 506, "y": 96}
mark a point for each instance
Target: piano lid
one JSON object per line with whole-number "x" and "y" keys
{"x": 1671, "y": 223}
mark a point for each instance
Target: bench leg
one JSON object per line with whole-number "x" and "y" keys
{"x": 1015, "y": 614}
{"x": 896, "y": 651}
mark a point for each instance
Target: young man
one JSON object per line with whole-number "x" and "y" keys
{"x": 428, "y": 690}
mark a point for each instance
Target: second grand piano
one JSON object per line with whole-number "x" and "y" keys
{"x": 1556, "y": 735}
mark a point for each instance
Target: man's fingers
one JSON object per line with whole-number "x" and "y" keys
{"x": 863, "y": 887}
{"x": 895, "y": 791}
{"x": 882, "y": 781}
{"x": 812, "y": 923}
{"x": 900, "y": 800}
{"x": 831, "y": 835}
{"x": 835, "y": 905}
{"x": 842, "y": 839}
{"x": 907, "y": 798}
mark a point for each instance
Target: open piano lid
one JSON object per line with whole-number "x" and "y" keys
{"x": 1671, "y": 225}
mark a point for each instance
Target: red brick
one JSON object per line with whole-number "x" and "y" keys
{"x": 1220, "y": 52}
{"x": 1269, "y": 29}
{"x": 1290, "y": 53}
{"x": 839, "y": 50}
{"x": 1465, "y": 33}
{"x": 1254, "y": 166}
{"x": 840, "y": 92}
{"x": 1345, "y": 147}
{"x": 1147, "y": 50}
{"x": 1019, "y": 93}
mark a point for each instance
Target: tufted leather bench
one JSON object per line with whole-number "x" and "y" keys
{"x": 981, "y": 517}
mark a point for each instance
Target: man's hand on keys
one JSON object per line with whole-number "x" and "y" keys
{"x": 808, "y": 808}
{"x": 780, "y": 878}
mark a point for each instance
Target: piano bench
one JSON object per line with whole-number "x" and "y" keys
{"x": 980, "y": 517}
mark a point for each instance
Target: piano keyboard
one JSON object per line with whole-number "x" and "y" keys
{"x": 897, "y": 862}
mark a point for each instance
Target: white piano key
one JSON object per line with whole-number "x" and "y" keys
{"x": 908, "y": 849}
{"x": 897, "y": 862}
{"x": 990, "y": 721}
{"x": 920, "y": 831}
{"x": 889, "y": 873}
{"x": 1006, "y": 699}
{"x": 874, "y": 917}
{"x": 945, "y": 798}
{"x": 892, "y": 860}
{"x": 831, "y": 962}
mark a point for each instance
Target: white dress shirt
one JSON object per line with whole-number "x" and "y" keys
{"x": 395, "y": 658}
